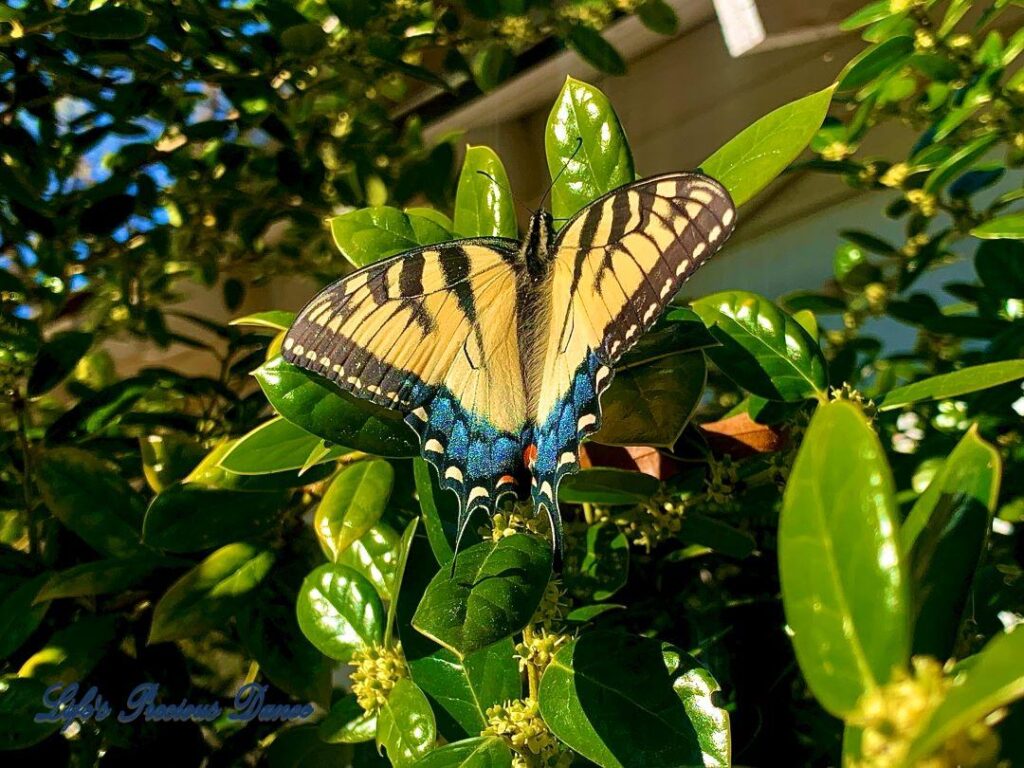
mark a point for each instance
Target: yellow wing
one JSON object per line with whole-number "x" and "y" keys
{"x": 432, "y": 333}
{"x": 616, "y": 265}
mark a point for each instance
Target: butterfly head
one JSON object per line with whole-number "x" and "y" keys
{"x": 536, "y": 245}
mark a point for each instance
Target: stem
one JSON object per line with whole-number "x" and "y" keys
{"x": 532, "y": 679}
{"x": 588, "y": 513}
{"x": 21, "y": 408}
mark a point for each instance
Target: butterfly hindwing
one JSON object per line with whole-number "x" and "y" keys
{"x": 616, "y": 265}
{"x": 427, "y": 333}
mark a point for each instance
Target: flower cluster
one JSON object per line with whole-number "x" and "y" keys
{"x": 518, "y": 723}
{"x": 893, "y": 715}
{"x": 848, "y": 393}
{"x": 553, "y": 606}
{"x": 377, "y": 671}
{"x": 516, "y": 519}
{"x": 537, "y": 650}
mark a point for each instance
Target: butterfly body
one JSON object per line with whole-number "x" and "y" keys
{"x": 498, "y": 351}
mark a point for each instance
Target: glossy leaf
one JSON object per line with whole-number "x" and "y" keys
{"x": 658, "y": 16}
{"x": 189, "y": 517}
{"x": 492, "y": 593}
{"x": 483, "y": 203}
{"x": 20, "y": 699}
{"x": 596, "y": 563}
{"x": 651, "y": 707}
{"x": 348, "y": 723}
{"x": 353, "y": 503}
{"x": 760, "y": 152}
{"x": 270, "y": 633}
{"x": 994, "y": 679}
{"x": 405, "y": 724}
{"x": 210, "y": 474}
{"x": 274, "y": 446}
{"x": 275, "y": 320}
{"x": 72, "y": 480}
{"x": 99, "y": 577}
{"x": 583, "y": 136}
{"x": 367, "y": 235}
{"x": 944, "y": 537}
{"x": 875, "y": 61}
{"x": 716, "y": 535}
{"x": 169, "y": 458}
{"x": 375, "y": 555}
{"x": 208, "y": 595}
{"x": 57, "y": 358}
{"x": 962, "y": 159}
{"x": 439, "y": 511}
{"x": 72, "y": 652}
{"x": 604, "y": 485}
{"x": 1010, "y": 226}
{"x": 404, "y": 551}
{"x": 763, "y": 349}
{"x": 21, "y": 613}
{"x": 597, "y": 51}
{"x": 954, "y": 384}
{"x": 869, "y": 14}
{"x": 339, "y": 611}
{"x": 651, "y": 404}
{"x": 481, "y": 752}
{"x": 465, "y": 688}
{"x": 327, "y": 412}
{"x": 843, "y": 586}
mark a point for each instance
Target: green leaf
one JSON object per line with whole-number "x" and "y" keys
{"x": 492, "y": 65}
{"x": 583, "y": 136}
{"x": 339, "y": 611}
{"x": 353, "y": 503}
{"x": 492, "y": 594}
{"x": 760, "y": 152}
{"x": 401, "y": 561}
{"x": 375, "y": 555}
{"x": 211, "y": 474}
{"x": 442, "y": 220}
{"x": 621, "y": 700}
{"x": 367, "y": 235}
{"x": 99, "y": 577}
{"x": 597, "y": 51}
{"x": 651, "y": 404}
{"x": 603, "y": 485}
{"x": 658, "y": 16}
{"x": 869, "y": 14}
{"x": 301, "y": 747}
{"x": 962, "y": 159}
{"x": 270, "y": 633}
{"x": 993, "y": 680}
{"x": 71, "y": 653}
{"x": 20, "y": 701}
{"x": 843, "y": 586}
{"x": 715, "y": 534}
{"x": 954, "y": 384}
{"x": 315, "y": 406}
{"x": 21, "y": 613}
{"x": 303, "y": 39}
{"x": 72, "y": 480}
{"x": 1000, "y": 265}
{"x": 437, "y": 508}
{"x": 465, "y": 688}
{"x": 111, "y": 22}
{"x": 944, "y": 536}
{"x": 348, "y": 723}
{"x": 480, "y": 752}
{"x": 875, "y": 61}
{"x": 57, "y": 358}
{"x": 597, "y": 563}
{"x": 275, "y": 319}
{"x": 405, "y": 724}
{"x": 208, "y": 595}
{"x": 168, "y": 458}
{"x": 190, "y": 517}
{"x": 763, "y": 349}
{"x": 483, "y": 203}
{"x": 274, "y": 446}
{"x": 1010, "y": 227}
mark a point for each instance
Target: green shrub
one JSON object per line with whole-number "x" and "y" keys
{"x": 816, "y": 564}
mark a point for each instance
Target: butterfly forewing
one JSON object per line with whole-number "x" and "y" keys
{"x": 616, "y": 266}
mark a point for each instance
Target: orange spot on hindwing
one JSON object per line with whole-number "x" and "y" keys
{"x": 530, "y": 455}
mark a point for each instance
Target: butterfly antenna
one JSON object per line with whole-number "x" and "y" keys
{"x": 508, "y": 189}
{"x": 579, "y": 144}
